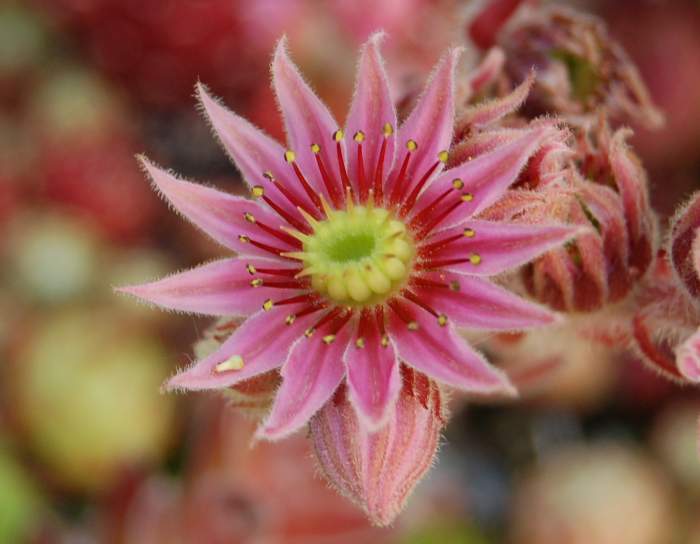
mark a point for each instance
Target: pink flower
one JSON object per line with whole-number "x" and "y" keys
{"x": 359, "y": 252}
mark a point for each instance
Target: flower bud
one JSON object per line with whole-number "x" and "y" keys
{"x": 580, "y": 68}
{"x": 378, "y": 471}
{"x": 604, "y": 188}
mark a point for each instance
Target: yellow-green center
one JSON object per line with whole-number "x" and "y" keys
{"x": 358, "y": 257}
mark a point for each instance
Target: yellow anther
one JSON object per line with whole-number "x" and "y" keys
{"x": 469, "y": 233}
{"x": 290, "y": 156}
{"x": 309, "y": 332}
{"x": 412, "y": 326}
{"x": 455, "y": 286}
{"x": 442, "y": 320}
{"x": 388, "y": 130}
{"x": 232, "y": 363}
{"x": 411, "y": 145}
{"x": 443, "y": 156}
{"x": 328, "y": 339}
{"x": 359, "y": 137}
{"x": 257, "y": 282}
{"x": 475, "y": 258}
{"x": 360, "y": 343}
{"x": 250, "y": 268}
{"x": 290, "y": 319}
{"x": 315, "y": 149}
{"x": 269, "y": 176}
{"x": 257, "y": 191}
{"x": 457, "y": 184}
{"x": 267, "y": 305}
{"x": 385, "y": 341}
{"x": 338, "y": 135}
{"x": 249, "y": 217}
{"x": 243, "y": 238}
{"x": 467, "y": 197}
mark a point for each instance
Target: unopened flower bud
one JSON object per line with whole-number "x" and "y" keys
{"x": 378, "y": 471}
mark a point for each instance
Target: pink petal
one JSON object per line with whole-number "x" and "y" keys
{"x": 488, "y": 112}
{"x": 372, "y": 107}
{"x": 372, "y": 374}
{"x": 263, "y": 341}
{"x": 217, "y": 288}
{"x": 487, "y": 71}
{"x": 499, "y": 246}
{"x": 253, "y": 152}
{"x": 688, "y": 358}
{"x": 478, "y": 303}
{"x": 442, "y": 354}
{"x": 484, "y": 178}
{"x": 311, "y": 375}
{"x": 430, "y": 125}
{"x": 218, "y": 214}
{"x": 306, "y": 119}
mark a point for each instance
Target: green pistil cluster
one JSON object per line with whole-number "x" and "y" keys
{"x": 358, "y": 257}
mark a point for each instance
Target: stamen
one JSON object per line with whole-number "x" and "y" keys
{"x": 290, "y": 157}
{"x": 338, "y": 137}
{"x": 257, "y": 282}
{"x": 474, "y": 259}
{"x": 423, "y": 282}
{"x": 267, "y": 305}
{"x": 257, "y": 191}
{"x": 431, "y": 248}
{"x": 403, "y": 314}
{"x": 411, "y": 146}
{"x": 289, "y": 218}
{"x": 331, "y": 186}
{"x": 361, "y": 182}
{"x": 417, "y": 301}
{"x": 294, "y": 284}
{"x": 250, "y": 268}
{"x": 428, "y": 211}
{"x": 289, "y": 272}
{"x": 379, "y": 172}
{"x": 411, "y": 200}
{"x": 274, "y": 232}
{"x": 270, "y": 249}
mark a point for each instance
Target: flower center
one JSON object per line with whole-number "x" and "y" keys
{"x": 358, "y": 257}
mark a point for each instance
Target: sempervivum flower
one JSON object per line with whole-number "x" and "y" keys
{"x": 358, "y": 252}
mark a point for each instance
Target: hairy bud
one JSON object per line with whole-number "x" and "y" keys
{"x": 378, "y": 471}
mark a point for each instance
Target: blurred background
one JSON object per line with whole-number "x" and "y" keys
{"x": 92, "y": 452}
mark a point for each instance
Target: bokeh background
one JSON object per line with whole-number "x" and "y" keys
{"x": 92, "y": 452}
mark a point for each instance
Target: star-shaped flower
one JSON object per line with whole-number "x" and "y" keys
{"x": 359, "y": 251}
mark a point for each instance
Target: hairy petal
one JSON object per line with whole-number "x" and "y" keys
{"x": 306, "y": 119}
{"x": 254, "y": 153}
{"x": 372, "y": 373}
{"x": 371, "y": 108}
{"x": 218, "y": 214}
{"x": 220, "y": 288}
{"x": 499, "y": 246}
{"x": 262, "y": 342}
{"x": 485, "y": 178}
{"x": 442, "y": 354}
{"x": 478, "y": 303}
{"x": 430, "y": 125}
{"x": 310, "y": 376}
